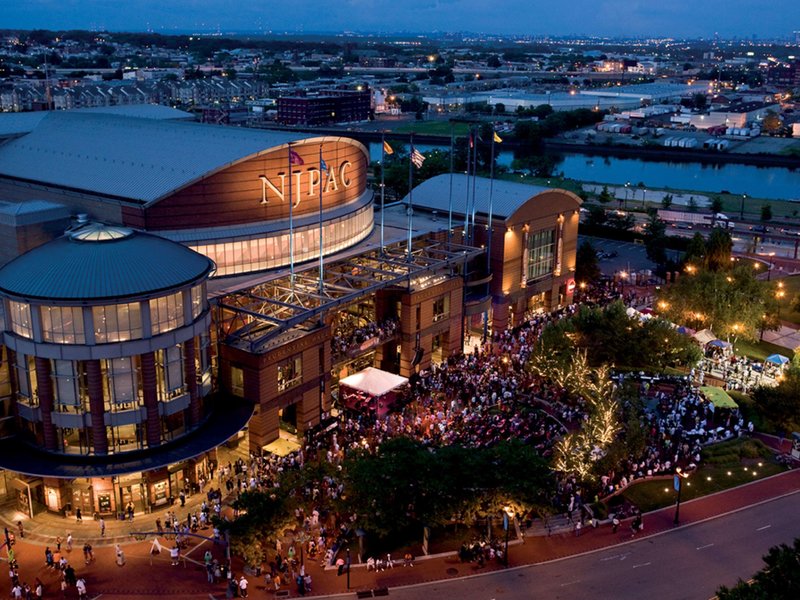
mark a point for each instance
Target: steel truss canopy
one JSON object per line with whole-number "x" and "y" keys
{"x": 261, "y": 313}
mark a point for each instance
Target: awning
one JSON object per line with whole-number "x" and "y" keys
{"x": 777, "y": 359}
{"x": 373, "y": 381}
{"x": 718, "y": 397}
{"x": 719, "y": 344}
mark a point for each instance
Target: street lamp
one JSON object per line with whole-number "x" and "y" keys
{"x": 623, "y": 275}
{"x": 678, "y": 484}
{"x": 348, "y": 569}
{"x": 770, "y": 265}
{"x": 627, "y": 186}
{"x": 741, "y": 207}
{"x": 508, "y": 515}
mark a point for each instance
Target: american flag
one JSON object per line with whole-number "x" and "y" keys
{"x": 417, "y": 157}
{"x": 295, "y": 158}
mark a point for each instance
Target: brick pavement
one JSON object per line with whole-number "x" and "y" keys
{"x": 145, "y": 575}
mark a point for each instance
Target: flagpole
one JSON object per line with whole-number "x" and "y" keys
{"x": 491, "y": 206}
{"x": 474, "y": 183}
{"x": 291, "y": 220}
{"x": 450, "y": 201}
{"x": 410, "y": 209}
{"x": 490, "y": 232}
{"x": 466, "y": 205}
{"x": 321, "y": 249}
{"x": 383, "y": 185}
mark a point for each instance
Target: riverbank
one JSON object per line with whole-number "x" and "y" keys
{"x": 662, "y": 154}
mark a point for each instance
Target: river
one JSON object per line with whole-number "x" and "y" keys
{"x": 777, "y": 183}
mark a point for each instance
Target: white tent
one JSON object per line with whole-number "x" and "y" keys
{"x": 704, "y": 336}
{"x": 373, "y": 381}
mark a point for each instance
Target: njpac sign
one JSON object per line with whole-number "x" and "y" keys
{"x": 306, "y": 182}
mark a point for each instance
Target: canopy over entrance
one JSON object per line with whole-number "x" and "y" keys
{"x": 718, "y": 397}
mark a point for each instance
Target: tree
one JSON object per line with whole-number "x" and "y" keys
{"x": 692, "y": 204}
{"x": 772, "y": 122}
{"x": 778, "y": 580}
{"x": 715, "y": 204}
{"x": 666, "y": 201}
{"x": 605, "y": 196}
{"x": 696, "y": 250}
{"x": 587, "y": 268}
{"x": 766, "y": 212}
{"x": 730, "y": 302}
{"x": 621, "y": 221}
{"x": 718, "y": 250}
{"x": 700, "y": 101}
{"x": 780, "y": 404}
{"x": 656, "y": 239}
{"x": 499, "y": 108}
{"x": 597, "y": 216}
{"x": 493, "y": 62}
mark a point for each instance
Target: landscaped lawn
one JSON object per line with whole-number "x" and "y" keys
{"x": 723, "y": 468}
{"x": 760, "y": 350}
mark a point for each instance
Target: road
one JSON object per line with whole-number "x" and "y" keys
{"x": 685, "y": 564}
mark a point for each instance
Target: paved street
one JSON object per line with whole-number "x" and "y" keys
{"x": 687, "y": 563}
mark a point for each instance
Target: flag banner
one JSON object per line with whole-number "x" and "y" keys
{"x": 417, "y": 157}
{"x": 387, "y": 148}
{"x": 497, "y": 138}
{"x": 471, "y": 141}
{"x": 295, "y": 158}
{"x": 323, "y": 166}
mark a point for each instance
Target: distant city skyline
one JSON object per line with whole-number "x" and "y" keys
{"x": 615, "y": 18}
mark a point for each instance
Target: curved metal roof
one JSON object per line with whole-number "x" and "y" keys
{"x": 87, "y": 268}
{"x": 135, "y": 159}
{"x": 507, "y": 196}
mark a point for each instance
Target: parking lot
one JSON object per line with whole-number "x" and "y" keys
{"x": 619, "y": 256}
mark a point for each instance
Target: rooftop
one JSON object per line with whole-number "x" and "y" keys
{"x": 99, "y": 262}
{"x": 130, "y": 158}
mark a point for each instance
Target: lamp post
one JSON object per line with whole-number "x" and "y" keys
{"x": 770, "y": 265}
{"x": 627, "y": 187}
{"x": 741, "y": 207}
{"x": 348, "y": 569}
{"x": 508, "y": 515}
{"x": 678, "y": 484}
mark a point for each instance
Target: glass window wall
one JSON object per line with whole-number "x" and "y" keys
{"x": 117, "y": 323}
{"x": 541, "y": 253}
{"x": 290, "y": 373}
{"x": 19, "y": 315}
{"x": 27, "y": 387}
{"x": 198, "y": 300}
{"x": 169, "y": 373}
{"x": 63, "y": 324}
{"x": 257, "y": 254}
{"x": 166, "y": 313}
{"x": 66, "y": 387}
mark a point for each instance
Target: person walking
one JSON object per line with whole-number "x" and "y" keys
{"x": 102, "y": 527}
{"x": 80, "y": 585}
{"x": 21, "y": 529}
{"x": 120, "y": 555}
{"x": 78, "y": 516}
{"x": 69, "y": 542}
{"x": 243, "y": 587}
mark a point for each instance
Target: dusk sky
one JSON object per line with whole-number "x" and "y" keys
{"x": 691, "y": 18}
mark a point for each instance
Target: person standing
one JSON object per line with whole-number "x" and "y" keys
{"x": 102, "y": 527}
{"x": 120, "y": 555}
{"x": 69, "y": 542}
{"x": 78, "y": 516}
{"x": 21, "y": 530}
{"x": 243, "y": 587}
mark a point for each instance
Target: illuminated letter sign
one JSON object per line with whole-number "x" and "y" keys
{"x": 335, "y": 177}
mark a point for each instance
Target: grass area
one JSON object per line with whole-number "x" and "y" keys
{"x": 792, "y": 287}
{"x": 434, "y": 128}
{"x": 760, "y": 350}
{"x": 725, "y": 465}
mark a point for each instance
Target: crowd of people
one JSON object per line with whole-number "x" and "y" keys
{"x": 345, "y": 336}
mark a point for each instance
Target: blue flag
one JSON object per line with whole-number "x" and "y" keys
{"x": 322, "y": 165}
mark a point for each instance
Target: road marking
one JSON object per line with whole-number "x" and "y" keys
{"x": 616, "y": 556}
{"x": 641, "y": 565}
{"x": 568, "y": 583}
{"x": 704, "y": 547}
{"x": 764, "y": 527}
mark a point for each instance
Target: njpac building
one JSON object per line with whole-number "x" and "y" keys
{"x": 165, "y": 305}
